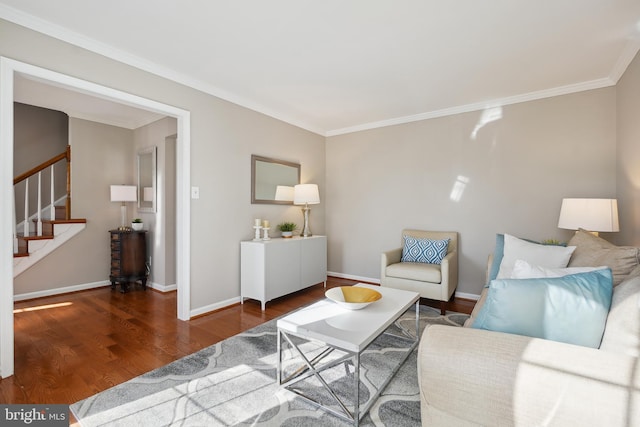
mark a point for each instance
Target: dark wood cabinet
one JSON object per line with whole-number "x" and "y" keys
{"x": 128, "y": 256}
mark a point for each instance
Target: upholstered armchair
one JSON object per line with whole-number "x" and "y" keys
{"x": 431, "y": 280}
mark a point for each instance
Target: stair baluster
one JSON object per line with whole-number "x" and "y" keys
{"x": 52, "y": 208}
{"x": 39, "y": 211}
{"x": 25, "y": 227}
{"x": 15, "y": 225}
{"x": 44, "y": 227}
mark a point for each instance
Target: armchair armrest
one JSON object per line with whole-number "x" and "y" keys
{"x": 389, "y": 257}
{"x": 478, "y": 377}
{"x": 449, "y": 272}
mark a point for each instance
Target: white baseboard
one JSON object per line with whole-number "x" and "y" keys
{"x": 58, "y": 291}
{"x": 352, "y": 277}
{"x": 162, "y": 288}
{"x": 83, "y": 287}
{"x": 211, "y": 307}
{"x": 463, "y": 295}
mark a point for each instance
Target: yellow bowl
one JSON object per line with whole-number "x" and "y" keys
{"x": 352, "y": 297}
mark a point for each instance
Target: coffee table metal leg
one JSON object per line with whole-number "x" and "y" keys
{"x": 418, "y": 320}
{"x": 356, "y": 376}
{"x": 309, "y": 369}
{"x": 279, "y": 350}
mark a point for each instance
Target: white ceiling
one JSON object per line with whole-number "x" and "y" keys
{"x": 80, "y": 105}
{"x": 335, "y": 66}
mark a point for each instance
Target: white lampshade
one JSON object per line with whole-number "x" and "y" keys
{"x": 589, "y": 214}
{"x": 284, "y": 193}
{"x": 306, "y": 194}
{"x": 123, "y": 193}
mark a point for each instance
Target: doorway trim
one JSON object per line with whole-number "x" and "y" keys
{"x": 8, "y": 68}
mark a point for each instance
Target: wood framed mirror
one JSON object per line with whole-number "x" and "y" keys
{"x": 147, "y": 179}
{"x": 267, "y": 174}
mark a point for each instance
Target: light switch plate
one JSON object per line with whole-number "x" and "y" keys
{"x": 195, "y": 192}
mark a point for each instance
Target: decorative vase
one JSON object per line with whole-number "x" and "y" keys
{"x": 137, "y": 226}
{"x": 287, "y": 234}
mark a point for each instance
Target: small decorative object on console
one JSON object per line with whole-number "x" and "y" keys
{"x": 257, "y": 227}
{"x": 287, "y": 229}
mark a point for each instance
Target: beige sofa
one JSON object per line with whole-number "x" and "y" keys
{"x": 477, "y": 377}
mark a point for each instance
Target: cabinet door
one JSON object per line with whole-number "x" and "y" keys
{"x": 133, "y": 246}
{"x": 313, "y": 261}
{"x": 282, "y": 267}
{"x": 252, "y": 271}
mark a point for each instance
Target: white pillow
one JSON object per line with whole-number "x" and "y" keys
{"x": 523, "y": 270}
{"x": 548, "y": 256}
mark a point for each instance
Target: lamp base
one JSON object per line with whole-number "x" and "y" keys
{"x": 306, "y": 230}
{"x": 123, "y": 216}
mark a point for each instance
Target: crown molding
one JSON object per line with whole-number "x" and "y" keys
{"x": 628, "y": 53}
{"x": 501, "y": 102}
{"x": 64, "y": 34}
{"x": 68, "y": 36}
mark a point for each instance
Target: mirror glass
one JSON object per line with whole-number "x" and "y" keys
{"x": 267, "y": 174}
{"x": 147, "y": 180}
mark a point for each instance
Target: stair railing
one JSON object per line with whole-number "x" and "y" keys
{"x": 37, "y": 172}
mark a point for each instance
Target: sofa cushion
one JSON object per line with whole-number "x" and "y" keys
{"x": 592, "y": 250}
{"x": 415, "y": 271}
{"x": 524, "y": 270}
{"x": 571, "y": 309}
{"x": 429, "y": 251}
{"x": 549, "y": 256}
{"x": 622, "y": 332}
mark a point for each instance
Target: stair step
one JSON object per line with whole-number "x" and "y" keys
{"x": 61, "y": 212}
{"x": 33, "y": 236}
{"x": 47, "y": 234}
{"x": 65, "y": 221}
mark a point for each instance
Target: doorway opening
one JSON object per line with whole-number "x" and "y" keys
{"x": 9, "y": 68}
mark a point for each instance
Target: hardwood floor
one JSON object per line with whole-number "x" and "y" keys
{"x": 71, "y": 346}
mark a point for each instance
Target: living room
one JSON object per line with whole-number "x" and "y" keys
{"x": 512, "y": 163}
{"x": 517, "y": 166}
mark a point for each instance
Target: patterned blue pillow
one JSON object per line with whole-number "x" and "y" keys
{"x": 424, "y": 250}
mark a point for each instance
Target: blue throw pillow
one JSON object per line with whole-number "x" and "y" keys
{"x": 571, "y": 309}
{"x": 424, "y": 250}
{"x": 498, "y": 254}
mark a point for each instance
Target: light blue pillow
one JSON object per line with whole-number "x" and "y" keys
{"x": 424, "y": 250}
{"x": 498, "y": 254}
{"x": 571, "y": 309}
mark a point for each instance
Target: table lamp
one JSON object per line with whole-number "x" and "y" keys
{"x": 593, "y": 215}
{"x": 306, "y": 194}
{"x": 123, "y": 193}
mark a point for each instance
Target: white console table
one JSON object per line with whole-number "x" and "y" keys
{"x": 273, "y": 268}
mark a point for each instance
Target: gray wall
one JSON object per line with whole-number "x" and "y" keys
{"x": 223, "y": 137}
{"x": 161, "y": 225}
{"x": 514, "y": 172}
{"x": 39, "y": 134}
{"x": 628, "y": 154}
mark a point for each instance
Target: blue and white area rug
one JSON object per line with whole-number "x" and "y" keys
{"x": 233, "y": 383}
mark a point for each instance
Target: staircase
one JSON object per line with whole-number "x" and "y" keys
{"x": 39, "y": 235}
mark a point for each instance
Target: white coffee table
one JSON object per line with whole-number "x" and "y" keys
{"x": 349, "y": 331}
